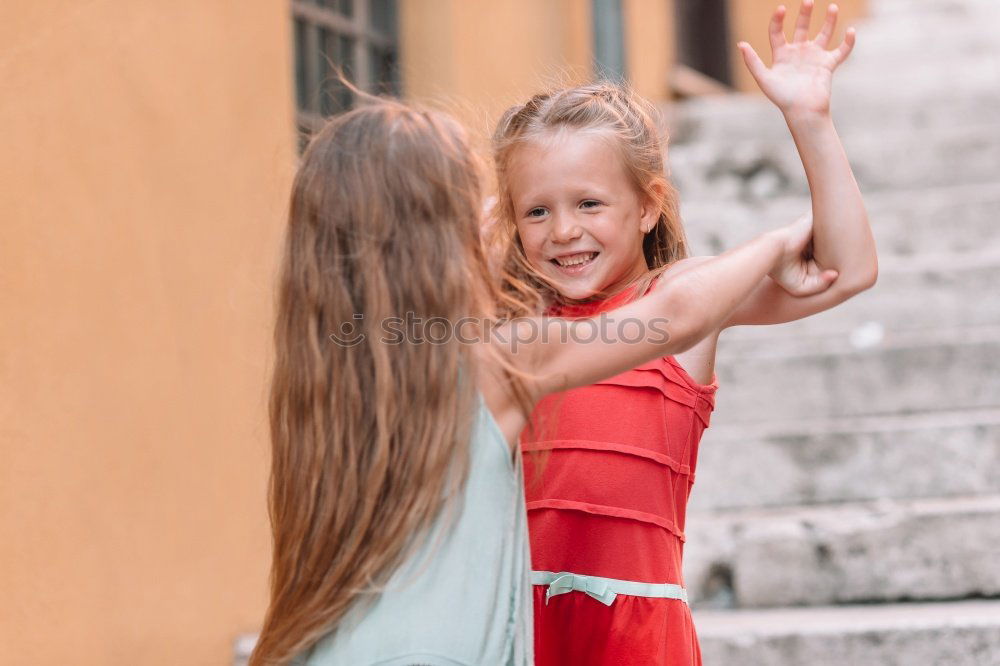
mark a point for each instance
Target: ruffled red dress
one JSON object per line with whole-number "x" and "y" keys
{"x": 608, "y": 472}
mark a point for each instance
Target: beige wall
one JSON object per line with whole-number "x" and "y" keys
{"x": 749, "y": 19}
{"x": 650, "y": 46}
{"x": 146, "y": 152}
{"x": 476, "y": 58}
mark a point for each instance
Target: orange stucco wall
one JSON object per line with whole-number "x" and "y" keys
{"x": 477, "y": 58}
{"x": 649, "y": 46}
{"x": 146, "y": 153}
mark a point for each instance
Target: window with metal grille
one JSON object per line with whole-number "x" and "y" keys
{"x": 358, "y": 38}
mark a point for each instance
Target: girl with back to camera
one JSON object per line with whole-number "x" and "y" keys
{"x": 397, "y": 509}
{"x": 587, "y": 216}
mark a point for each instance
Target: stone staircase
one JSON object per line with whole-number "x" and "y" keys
{"x": 847, "y": 504}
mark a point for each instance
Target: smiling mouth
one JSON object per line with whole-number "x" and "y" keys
{"x": 578, "y": 260}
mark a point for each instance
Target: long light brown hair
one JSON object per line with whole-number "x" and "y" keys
{"x": 369, "y": 440}
{"x": 611, "y": 108}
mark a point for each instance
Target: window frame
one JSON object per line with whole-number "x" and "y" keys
{"x": 356, "y": 27}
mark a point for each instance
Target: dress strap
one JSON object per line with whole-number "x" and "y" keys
{"x": 603, "y": 589}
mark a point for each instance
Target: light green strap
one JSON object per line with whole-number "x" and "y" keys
{"x": 603, "y": 589}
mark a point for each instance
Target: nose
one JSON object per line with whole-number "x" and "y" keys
{"x": 565, "y": 228}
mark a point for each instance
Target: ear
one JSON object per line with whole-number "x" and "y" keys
{"x": 652, "y": 201}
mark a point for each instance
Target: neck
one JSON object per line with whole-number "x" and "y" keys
{"x": 612, "y": 291}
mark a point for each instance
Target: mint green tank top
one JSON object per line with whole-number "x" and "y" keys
{"x": 464, "y": 597}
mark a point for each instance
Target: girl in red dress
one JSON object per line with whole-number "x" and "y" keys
{"x": 586, "y": 215}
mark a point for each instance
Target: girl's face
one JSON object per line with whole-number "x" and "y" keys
{"x": 580, "y": 219}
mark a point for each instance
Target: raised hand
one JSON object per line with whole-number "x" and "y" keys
{"x": 796, "y": 271}
{"x": 801, "y": 76}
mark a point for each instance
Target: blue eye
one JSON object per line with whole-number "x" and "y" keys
{"x": 589, "y": 203}
{"x": 537, "y": 212}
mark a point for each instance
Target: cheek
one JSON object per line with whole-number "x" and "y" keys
{"x": 531, "y": 241}
{"x": 608, "y": 233}
{"x": 620, "y": 238}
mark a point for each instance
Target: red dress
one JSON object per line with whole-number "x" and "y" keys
{"x": 609, "y": 468}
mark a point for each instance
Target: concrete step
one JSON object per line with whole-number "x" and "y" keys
{"x": 838, "y": 460}
{"x": 910, "y": 295}
{"x": 973, "y": 97}
{"x": 968, "y": 64}
{"x": 882, "y": 157}
{"x": 958, "y": 633}
{"x": 907, "y": 372}
{"x": 892, "y": 8}
{"x": 902, "y": 16}
{"x": 937, "y": 220}
{"x": 889, "y": 550}
{"x": 912, "y": 38}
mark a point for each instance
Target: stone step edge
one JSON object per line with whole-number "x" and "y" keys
{"x": 834, "y": 346}
{"x": 876, "y": 199}
{"x": 853, "y": 618}
{"x": 893, "y": 422}
{"x": 937, "y": 262}
{"x": 836, "y": 515}
{"x": 777, "y": 133}
{"x": 941, "y": 262}
{"x": 952, "y": 264}
{"x": 967, "y": 193}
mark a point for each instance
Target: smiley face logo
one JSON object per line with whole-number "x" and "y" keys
{"x": 349, "y": 335}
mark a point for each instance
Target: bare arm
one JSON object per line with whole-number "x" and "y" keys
{"x": 681, "y": 310}
{"x": 799, "y": 83}
{"x": 842, "y": 236}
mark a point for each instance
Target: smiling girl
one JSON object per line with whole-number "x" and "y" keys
{"x": 587, "y": 216}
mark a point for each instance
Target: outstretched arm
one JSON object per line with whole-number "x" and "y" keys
{"x": 683, "y": 307}
{"x": 799, "y": 83}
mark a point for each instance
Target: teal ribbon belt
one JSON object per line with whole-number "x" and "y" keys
{"x": 603, "y": 589}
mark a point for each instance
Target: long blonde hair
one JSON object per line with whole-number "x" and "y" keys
{"x": 606, "y": 107}
{"x": 369, "y": 440}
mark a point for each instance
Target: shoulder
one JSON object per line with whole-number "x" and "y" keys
{"x": 665, "y": 273}
{"x": 688, "y": 262}
{"x": 681, "y": 265}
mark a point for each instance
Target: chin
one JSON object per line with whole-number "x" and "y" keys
{"x": 578, "y": 291}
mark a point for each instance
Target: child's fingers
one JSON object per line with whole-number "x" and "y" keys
{"x": 756, "y": 66}
{"x": 845, "y": 48}
{"x": 817, "y": 283}
{"x": 829, "y": 25}
{"x": 802, "y": 23}
{"x": 828, "y": 276}
{"x": 775, "y": 30}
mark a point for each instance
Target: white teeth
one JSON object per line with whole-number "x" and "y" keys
{"x": 576, "y": 259}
